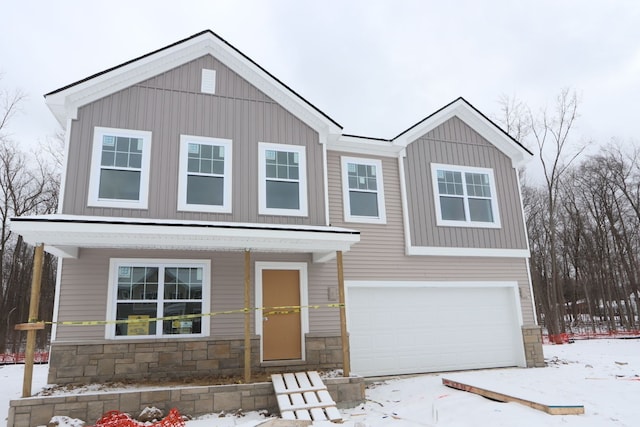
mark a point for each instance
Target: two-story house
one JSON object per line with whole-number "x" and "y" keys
{"x": 198, "y": 188}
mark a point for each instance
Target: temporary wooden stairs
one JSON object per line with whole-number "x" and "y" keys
{"x": 303, "y": 396}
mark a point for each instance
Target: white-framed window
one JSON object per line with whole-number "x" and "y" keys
{"x": 142, "y": 291}
{"x": 363, "y": 190}
{"x": 282, "y": 171}
{"x": 120, "y": 168}
{"x": 465, "y": 196}
{"x": 204, "y": 182}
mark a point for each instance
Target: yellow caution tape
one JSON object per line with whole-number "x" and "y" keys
{"x": 267, "y": 311}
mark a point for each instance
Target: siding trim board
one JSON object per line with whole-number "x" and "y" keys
{"x": 477, "y": 252}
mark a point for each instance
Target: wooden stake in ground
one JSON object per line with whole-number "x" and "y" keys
{"x": 34, "y": 305}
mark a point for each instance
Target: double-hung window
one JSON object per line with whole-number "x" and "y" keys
{"x": 465, "y": 196}
{"x": 283, "y": 179}
{"x": 120, "y": 168}
{"x": 151, "y": 298}
{"x": 205, "y": 174}
{"x": 363, "y": 190}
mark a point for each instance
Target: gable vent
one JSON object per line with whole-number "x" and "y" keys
{"x": 208, "y": 81}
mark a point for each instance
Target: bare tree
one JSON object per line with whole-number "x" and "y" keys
{"x": 26, "y": 188}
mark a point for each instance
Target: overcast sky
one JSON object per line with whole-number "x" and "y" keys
{"x": 376, "y": 67}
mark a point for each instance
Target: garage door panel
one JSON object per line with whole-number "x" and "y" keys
{"x": 396, "y": 330}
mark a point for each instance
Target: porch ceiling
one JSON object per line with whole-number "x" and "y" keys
{"x": 63, "y": 235}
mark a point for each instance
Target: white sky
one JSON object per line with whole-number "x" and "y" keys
{"x": 376, "y": 67}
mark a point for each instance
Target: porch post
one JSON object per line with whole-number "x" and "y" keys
{"x": 346, "y": 362}
{"x": 34, "y": 305}
{"x": 247, "y": 316}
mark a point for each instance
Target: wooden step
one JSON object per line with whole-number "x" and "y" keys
{"x": 303, "y": 396}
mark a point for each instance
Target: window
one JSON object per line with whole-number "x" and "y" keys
{"x": 120, "y": 168}
{"x": 465, "y": 196}
{"x": 363, "y": 190}
{"x": 204, "y": 183}
{"x": 146, "y": 290}
{"x": 283, "y": 179}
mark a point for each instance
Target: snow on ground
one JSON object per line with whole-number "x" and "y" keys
{"x": 602, "y": 375}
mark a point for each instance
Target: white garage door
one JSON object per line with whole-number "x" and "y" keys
{"x": 412, "y": 328}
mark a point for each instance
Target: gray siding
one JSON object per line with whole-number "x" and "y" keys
{"x": 170, "y": 105}
{"x": 84, "y": 291}
{"x": 380, "y": 254}
{"x": 455, "y": 143}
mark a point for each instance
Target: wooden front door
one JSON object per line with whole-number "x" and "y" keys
{"x": 281, "y": 333}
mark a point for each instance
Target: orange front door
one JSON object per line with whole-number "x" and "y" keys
{"x": 281, "y": 333}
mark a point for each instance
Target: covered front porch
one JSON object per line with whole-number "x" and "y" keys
{"x": 87, "y": 348}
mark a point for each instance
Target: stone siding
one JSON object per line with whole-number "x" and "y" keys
{"x": 166, "y": 360}
{"x": 194, "y": 401}
{"x": 532, "y": 336}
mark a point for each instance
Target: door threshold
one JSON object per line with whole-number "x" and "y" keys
{"x": 292, "y": 362}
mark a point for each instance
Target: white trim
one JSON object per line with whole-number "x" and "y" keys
{"x": 528, "y": 261}
{"x": 65, "y": 162}
{"x": 56, "y": 301}
{"x": 461, "y": 109}
{"x": 208, "y": 81}
{"x": 304, "y": 297}
{"x": 183, "y": 174}
{"x": 114, "y": 263}
{"x": 302, "y": 179}
{"x": 64, "y": 103}
{"x": 429, "y": 284}
{"x": 325, "y": 178}
{"x": 479, "y": 252}
{"x": 94, "y": 179}
{"x": 364, "y": 146}
{"x": 346, "y": 200}
{"x": 468, "y": 222}
{"x": 404, "y": 202}
{"x": 67, "y": 231}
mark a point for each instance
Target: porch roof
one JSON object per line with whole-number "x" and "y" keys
{"x": 63, "y": 235}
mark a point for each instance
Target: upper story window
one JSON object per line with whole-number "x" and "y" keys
{"x": 363, "y": 190}
{"x": 145, "y": 290}
{"x": 465, "y": 196}
{"x": 283, "y": 179}
{"x": 120, "y": 168}
{"x": 204, "y": 183}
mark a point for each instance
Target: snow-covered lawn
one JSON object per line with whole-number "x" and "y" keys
{"x": 602, "y": 375}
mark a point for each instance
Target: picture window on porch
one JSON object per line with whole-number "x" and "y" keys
{"x": 205, "y": 174}
{"x": 120, "y": 168}
{"x": 150, "y": 290}
{"x": 283, "y": 186}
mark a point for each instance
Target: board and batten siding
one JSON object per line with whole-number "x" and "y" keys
{"x": 455, "y": 143}
{"x": 380, "y": 255}
{"x": 84, "y": 290}
{"x": 170, "y": 105}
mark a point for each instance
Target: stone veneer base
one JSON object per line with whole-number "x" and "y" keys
{"x": 194, "y": 401}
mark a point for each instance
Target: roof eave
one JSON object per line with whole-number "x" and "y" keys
{"x": 474, "y": 118}
{"x": 64, "y": 237}
{"x": 64, "y": 102}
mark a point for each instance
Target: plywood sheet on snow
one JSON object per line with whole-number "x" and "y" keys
{"x": 536, "y": 402}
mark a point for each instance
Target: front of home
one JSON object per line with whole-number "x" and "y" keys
{"x": 200, "y": 192}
